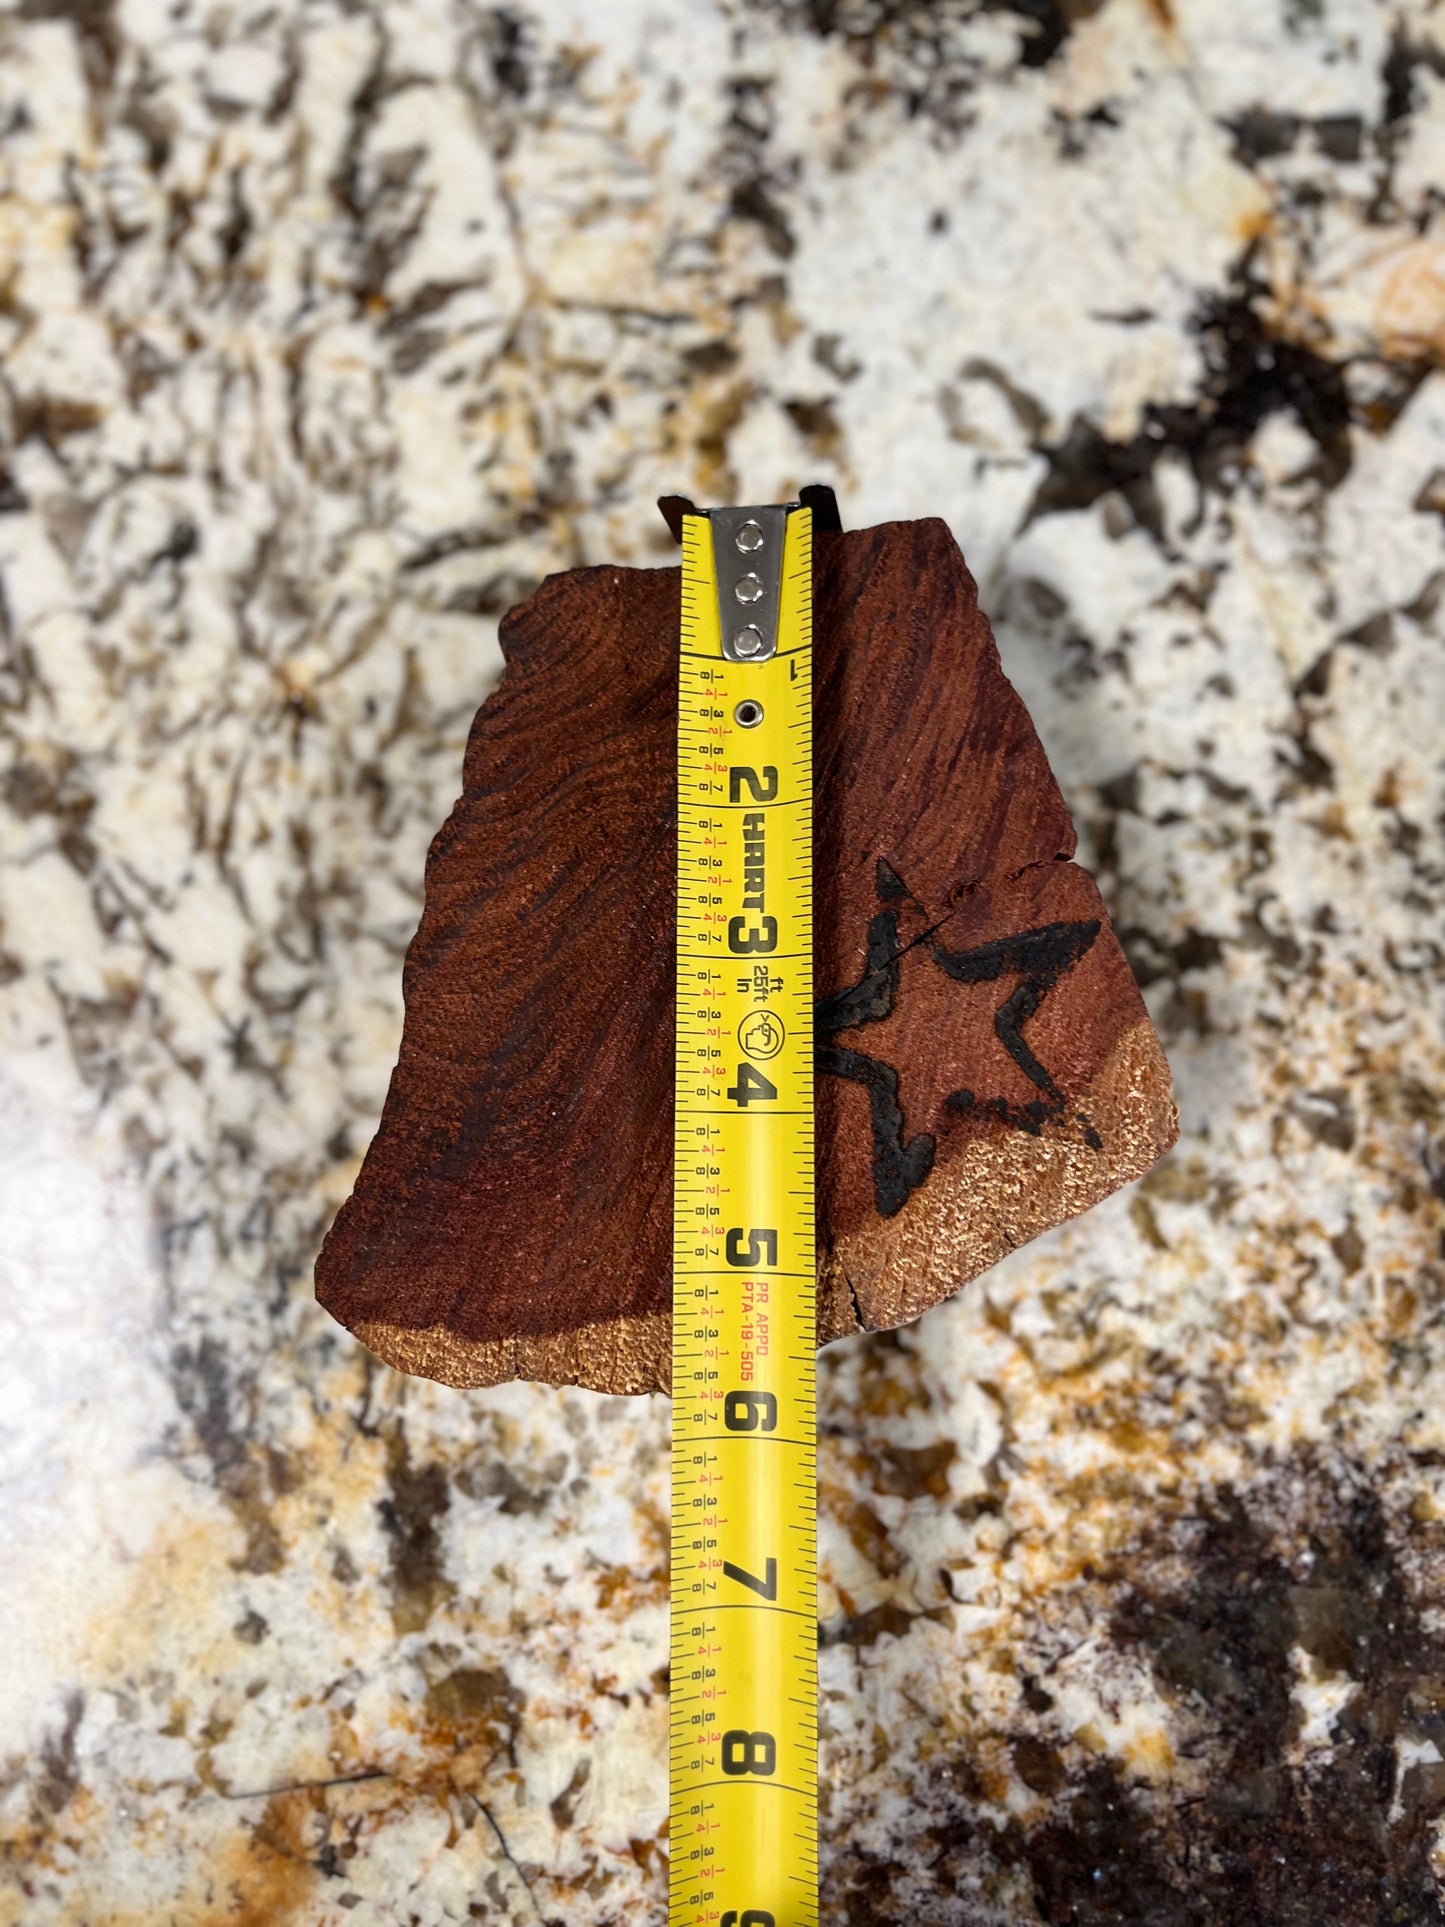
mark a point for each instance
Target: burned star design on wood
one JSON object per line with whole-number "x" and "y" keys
{"x": 987, "y": 1071}
{"x": 1036, "y": 958}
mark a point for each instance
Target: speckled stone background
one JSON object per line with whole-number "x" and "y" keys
{"x": 326, "y": 329}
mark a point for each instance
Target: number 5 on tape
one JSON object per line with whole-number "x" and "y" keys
{"x": 743, "y": 1753}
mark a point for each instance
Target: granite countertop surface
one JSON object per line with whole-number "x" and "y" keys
{"x": 328, "y": 329}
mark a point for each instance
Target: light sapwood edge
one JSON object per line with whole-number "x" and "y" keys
{"x": 622, "y": 1355}
{"x": 1000, "y": 1192}
{"x": 987, "y": 1199}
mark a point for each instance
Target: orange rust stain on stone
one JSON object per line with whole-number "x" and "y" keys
{"x": 709, "y": 436}
{"x": 621, "y": 1589}
{"x": 1255, "y": 222}
{"x": 267, "y": 1877}
{"x": 1410, "y": 311}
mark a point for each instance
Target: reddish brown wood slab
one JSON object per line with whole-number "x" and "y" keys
{"x": 986, "y": 1066}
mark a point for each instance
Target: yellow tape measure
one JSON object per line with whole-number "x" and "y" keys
{"x": 744, "y": 1690}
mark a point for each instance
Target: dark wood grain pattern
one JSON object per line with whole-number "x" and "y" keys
{"x": 986, "y": 1067}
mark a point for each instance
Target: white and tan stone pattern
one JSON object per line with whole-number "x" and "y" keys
{"x": 325, "y": 330}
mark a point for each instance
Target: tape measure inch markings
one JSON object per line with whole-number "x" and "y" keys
{"x": 743, "y": 1753}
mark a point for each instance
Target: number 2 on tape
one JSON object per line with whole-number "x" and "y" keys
{"x": 743, "y": 1716}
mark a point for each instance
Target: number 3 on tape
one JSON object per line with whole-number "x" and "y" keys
{"x": 743, "y": 1739}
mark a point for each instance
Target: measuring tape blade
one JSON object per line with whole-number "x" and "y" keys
{"x": 743, "y": 1764}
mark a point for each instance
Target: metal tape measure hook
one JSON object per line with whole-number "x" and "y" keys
{"x": 748, "y": 554}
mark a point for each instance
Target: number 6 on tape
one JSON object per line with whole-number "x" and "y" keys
{"x": 743, "y": 1740}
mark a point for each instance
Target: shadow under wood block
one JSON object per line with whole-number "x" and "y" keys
{"x": 986, "y": 1068}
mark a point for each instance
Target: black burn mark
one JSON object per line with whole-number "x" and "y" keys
{"x": 1038, "y": 958}
{"x": 870, "y": 1000}
{"x": 1249, "y": 375}
{"x": 898, "y": 1169}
